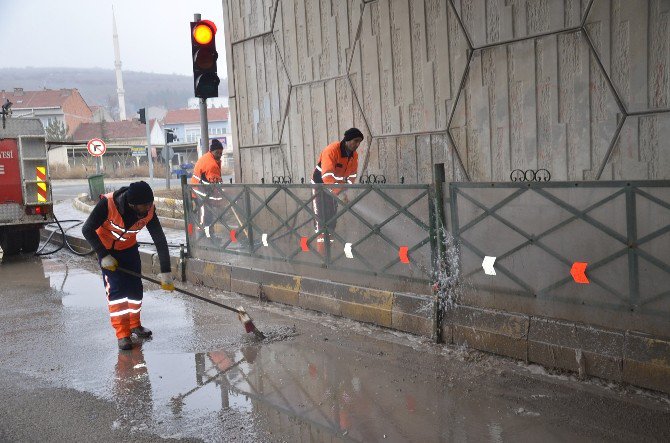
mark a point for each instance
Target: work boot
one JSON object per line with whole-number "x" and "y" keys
{"x": 141, "y": 332}
{"x": 125, "y": 344}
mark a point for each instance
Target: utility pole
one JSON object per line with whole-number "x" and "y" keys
{"x": 149, "y": 156}
{"x": 147, "y": 122}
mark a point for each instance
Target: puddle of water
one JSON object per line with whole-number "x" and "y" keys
{"x": 24, "y": 271}
{"x": 285, "y": 390}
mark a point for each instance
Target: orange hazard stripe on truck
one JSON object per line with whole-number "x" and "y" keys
{"x": 41, "y": 173}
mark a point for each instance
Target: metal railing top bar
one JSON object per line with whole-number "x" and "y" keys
{"x": 313, "y": 185}
{"x": 557, "y": 184}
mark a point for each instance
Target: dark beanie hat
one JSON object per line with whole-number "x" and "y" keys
{"x": 139, "y": 193}
{"x": 352, "y": 133}
{"x": 216, "y": 144}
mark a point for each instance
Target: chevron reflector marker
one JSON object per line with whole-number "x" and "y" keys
{"x": 578, "y": 272}
{"x": 487, "y": 264}
{"x": 41, "y": 173}
{"x": 402, "y": 253}
{"x": 347, "y": 250}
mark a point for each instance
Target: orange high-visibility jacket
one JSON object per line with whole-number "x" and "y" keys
{"x": 335, "y": 165}
{"x": 113, "y": 234}
{"x": 206, "y": 170}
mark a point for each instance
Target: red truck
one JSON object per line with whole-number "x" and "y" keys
{"x": 25, "y": 191}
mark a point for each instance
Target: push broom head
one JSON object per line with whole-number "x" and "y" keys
{"x": 248, "y": 323}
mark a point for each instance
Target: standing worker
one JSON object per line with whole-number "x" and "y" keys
{"x": 207, "y": 170}
{"x": 338, "y": 164}
{"x": 111, "y": 230}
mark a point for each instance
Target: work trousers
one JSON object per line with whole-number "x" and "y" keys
{"x": 124, "y": 291}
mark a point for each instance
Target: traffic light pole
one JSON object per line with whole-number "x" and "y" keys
{"x": 167, "y": 164}
{"x": 204, "y": 128}
{"x": 151, "y": 160}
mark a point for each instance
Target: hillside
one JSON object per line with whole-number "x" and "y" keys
{"x": 98, "y": 86}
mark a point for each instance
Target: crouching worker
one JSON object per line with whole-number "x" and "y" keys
{"x": 111, "y": 230}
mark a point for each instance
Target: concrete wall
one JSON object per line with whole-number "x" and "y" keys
{"x": 483, "y": 86}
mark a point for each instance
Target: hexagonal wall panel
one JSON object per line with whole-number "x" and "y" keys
{"x": 537, "y": 103}
{"x": 407, "y": 65}
{"x": 632, "y": 39}
{"x": 318, "y": 114}
{"x": 316, "y": 37}
{"x": 493, "y": 21}
{"x": 248, "y": 18}
{"x": 642, "y": 151}
{"x": 262, "y": 89}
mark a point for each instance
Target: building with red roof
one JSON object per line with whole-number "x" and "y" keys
{"x": 63, "y": 105}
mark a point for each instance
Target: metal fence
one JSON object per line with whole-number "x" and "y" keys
{"x": 543, "y": 235}
{"x": 376, "y": 235}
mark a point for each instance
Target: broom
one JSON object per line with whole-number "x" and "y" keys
{"x": 240, "y": 311}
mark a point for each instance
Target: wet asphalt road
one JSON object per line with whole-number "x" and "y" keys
{"x": 316, "y": 377}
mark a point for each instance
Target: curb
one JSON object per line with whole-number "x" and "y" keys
{"x": 623, "y": 356}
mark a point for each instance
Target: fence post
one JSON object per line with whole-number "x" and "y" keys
{"x": 250, "y": 231}
{"x": 633, "y": 265}
{"x": 326, "y": 230}
{"x": 439, "y": 242}
{"x": 185, "y": 201}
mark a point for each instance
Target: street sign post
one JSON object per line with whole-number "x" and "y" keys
{"x": 97, "y": 149}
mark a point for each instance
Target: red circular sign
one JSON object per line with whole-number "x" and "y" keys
{"x": 96, "y": 147}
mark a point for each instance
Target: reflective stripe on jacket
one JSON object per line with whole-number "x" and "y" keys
{"x": 207, "y": 170}
{"x": 336, "y": 165}
{"x": 113, "y": 234}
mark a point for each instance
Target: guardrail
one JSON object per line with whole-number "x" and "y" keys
{"x": 379, "y": 231}
{"x": 591, "y": 244}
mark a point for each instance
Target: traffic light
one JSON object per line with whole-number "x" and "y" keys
{"x": 143, "y": 116}
{"x": 170, "y": 136}
{"x": 203, "y": 49}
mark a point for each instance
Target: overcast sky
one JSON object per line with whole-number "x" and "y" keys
{"x": 153, "y": 34}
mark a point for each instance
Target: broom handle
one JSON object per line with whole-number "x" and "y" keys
{"x": 190, "y": 294}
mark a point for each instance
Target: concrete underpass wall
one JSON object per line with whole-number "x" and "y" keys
{"x": 578, "y": 87}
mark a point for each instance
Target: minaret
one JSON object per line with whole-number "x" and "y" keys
{"x": 119, "y": 76}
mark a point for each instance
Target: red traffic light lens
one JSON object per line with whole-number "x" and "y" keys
{"x": 203, "y": 33}
{"x": 205, "y": 59}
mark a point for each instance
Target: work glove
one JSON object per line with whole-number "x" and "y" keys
{"x": 167, "y": 282}
{"x": 108, "y": 262}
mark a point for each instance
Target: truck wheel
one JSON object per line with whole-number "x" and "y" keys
{"x": 10, "y": 242}
{"x": 31, "y": 240}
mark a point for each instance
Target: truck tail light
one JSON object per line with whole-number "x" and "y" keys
{"x": 38, "y": 210}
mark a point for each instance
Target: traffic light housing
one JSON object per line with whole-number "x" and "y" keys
{"x": 204, "y": 55}
{"x": 143, "y": 116}
{"x": 170, "y": 136}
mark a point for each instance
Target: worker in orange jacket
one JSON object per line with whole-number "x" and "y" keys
{"x": 338, "y": 164}
{"x": 111, "y": 230}
{"x": 207, "y": 170}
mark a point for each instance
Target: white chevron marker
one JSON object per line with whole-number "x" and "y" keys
{"x": 265, "y": 239}
{"x": 347, "y": 250}
{"x": 487, "y": 264}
